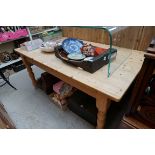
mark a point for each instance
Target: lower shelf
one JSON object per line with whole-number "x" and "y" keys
{"x": 84, "y": 106}
{"x": 18, "y": 67}
{"x": 3, "y": 65}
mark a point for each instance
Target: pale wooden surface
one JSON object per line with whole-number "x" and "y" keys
{"x": 97, "y": 84}
{"x": 113, "y": 87}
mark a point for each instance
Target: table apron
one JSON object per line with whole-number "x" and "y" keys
{"x": 85, "y": 88}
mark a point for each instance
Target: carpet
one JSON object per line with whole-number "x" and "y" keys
{"x": 30, "y": 108}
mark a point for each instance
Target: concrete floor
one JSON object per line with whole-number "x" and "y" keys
{"x": 31, "y": 108}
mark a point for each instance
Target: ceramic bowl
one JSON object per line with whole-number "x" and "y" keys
{"x": 48, "y": 46}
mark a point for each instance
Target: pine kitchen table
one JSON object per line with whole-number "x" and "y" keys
{"x": 97, "y": 84}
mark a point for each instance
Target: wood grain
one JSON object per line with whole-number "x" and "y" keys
{"x": 88, "y": 34}
{"x": 114, "y": 87}
{"x": 135, "y": 123}
{"x": 141, "y": 104}
{"x": 128, "y": 37}
{"x": 97, "y": 84}
{"x": 102, "y": 104}
{"x": 146, "y": 36}
{"x": 132, "y": 37}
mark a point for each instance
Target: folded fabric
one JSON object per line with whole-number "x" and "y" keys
{"x": 63, "y": 90}
{"x": 57, "y": 86}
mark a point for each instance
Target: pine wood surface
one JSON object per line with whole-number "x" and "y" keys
{"x": 114, "y": 87}
{"x": 97, "y": 84}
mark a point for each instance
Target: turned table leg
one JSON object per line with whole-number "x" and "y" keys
{"x": 102, "y": 104}
{"x": 30, "y": 72}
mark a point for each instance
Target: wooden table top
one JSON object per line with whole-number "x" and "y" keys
{"x": 114, "y": 87}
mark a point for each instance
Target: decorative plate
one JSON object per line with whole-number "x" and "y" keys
{"x": 76, "y": 56}
{"x": 72, "y": 45}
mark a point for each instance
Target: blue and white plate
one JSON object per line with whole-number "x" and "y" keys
{"x": 72, "y": 45}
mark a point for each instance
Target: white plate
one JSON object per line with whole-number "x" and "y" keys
{"x": 76, "y": 56}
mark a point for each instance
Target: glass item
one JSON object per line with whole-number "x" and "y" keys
{"x": 110, "y": 42}
{"x": 121, "y": 56}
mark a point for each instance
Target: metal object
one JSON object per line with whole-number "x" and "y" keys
{"x": 5, "y": 79}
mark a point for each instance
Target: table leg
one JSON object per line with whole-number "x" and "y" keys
{"x": 102, "y": 104}
{"x": 30, "y": 72}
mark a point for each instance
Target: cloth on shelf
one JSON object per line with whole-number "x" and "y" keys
{"x": 57, "y": 86}
{"x": 62, "y": 90}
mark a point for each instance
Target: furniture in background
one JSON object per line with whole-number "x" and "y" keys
{"x": 97, "y": 85}
{"x": 5, "y": 121}
{"x": 22, "y": 37}
{"x": 141, "y": 113}
{"x": 5, "y": 79}
{"x": 18, "y": 35}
